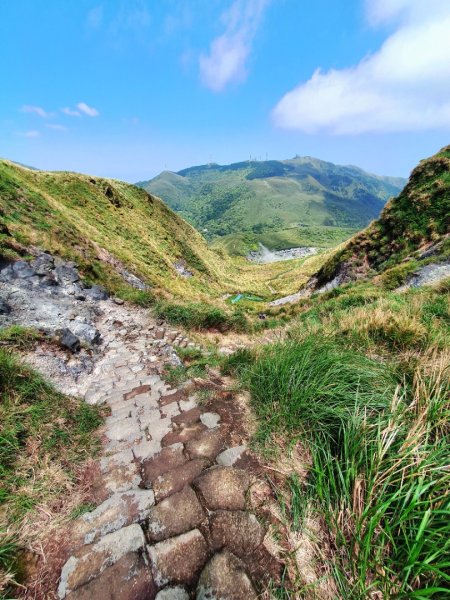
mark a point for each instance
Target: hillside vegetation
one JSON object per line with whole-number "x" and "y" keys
{"x": 414, "y": 225}
{"x": 113, "y": 231}
{"x": 282, "y": 203}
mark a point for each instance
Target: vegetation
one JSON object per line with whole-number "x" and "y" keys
{"x": 282, "y": 203}
{"x": 44, "y": 437}
{"x": 408, "y": 226}
{"x": 363, "y": 382}
{"x": 240, "y": 244}
{"x": 198, "y": 315}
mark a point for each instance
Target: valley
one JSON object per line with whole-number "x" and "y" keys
{"x": 221, "y": 398}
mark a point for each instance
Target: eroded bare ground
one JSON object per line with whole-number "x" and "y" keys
{"x": 180, "y": 499}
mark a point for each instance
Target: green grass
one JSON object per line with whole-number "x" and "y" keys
{"x": 199, "y": 315}
{"x": 44, "y": 435}
{"x": 362, "y": 382}
{"x": 315, "y": 385}
{"x": 19, "y": 337}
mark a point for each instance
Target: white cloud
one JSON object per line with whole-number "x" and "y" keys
{"x": 33, "y": 133}
{"x": 404, "y": 86}
{"x": 228, "y": 54}
{"x": 38, "y": 110}
{"x": 56, "y": 127}
{"x": 87, "y": 110}
{"x": 70, "y": 112}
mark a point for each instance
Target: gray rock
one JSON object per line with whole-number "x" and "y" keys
{"x": 66, "y": 274}
{"x": 43, "y": 264}
{"x": 120, "y": 510}
{"x": 4, "y": 307}
{"x": 22, "y": 269}
{"x": 86, "y": 332}
{"x": 172, "y": 593}
{"x": 90, "y": 562}
{"x": 68, "y": 340}
{"x": 175, "y": 515}
{"x": 228, "y": 457}
{"x": 96, "y": 292}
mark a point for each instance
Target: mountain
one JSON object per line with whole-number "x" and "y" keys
{"x": 276, "y": 197}
{"x": 413, "y": 230}
{"x": 114, "y": 231}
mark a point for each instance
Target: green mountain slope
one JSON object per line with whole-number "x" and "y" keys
{"x": 271, "y": 196}
{"x": 414, "y": 225}
{"x": 105, "y": 226}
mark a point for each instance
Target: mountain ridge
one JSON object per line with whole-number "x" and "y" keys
{"x": 262, "y": 197}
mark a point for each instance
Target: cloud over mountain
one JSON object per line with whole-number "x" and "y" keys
{"x": 404, "y": 86}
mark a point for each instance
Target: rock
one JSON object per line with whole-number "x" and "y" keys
{"x": 175, "y": 515}
{"x": 118, "y": 511}
{"x": 97, "y": 292}
{"x": 159, "y": 333}
{"x": 88, "y": 333}
{"x": 120, "y": 479}
{"x": 228, "y": 457}
{"x": 169, "y": 458}
{"x": 22, "y": 269}
{"x": 172, "y": 397}
{"x": 68, "y": 340}
{"x": 238, "y": 531}
{"x": 179, "y": 559}
{"x": 5, "y": 308}
{"x": 210, "y": 419}
{"x": 127, "y": 579}
{"x": 66, "y": 274}
{"x": 118, "y": 301}
{"x": 223, "y": 488}
{"x": 136, "y": 391}
{"x": 43, "y": 264}
{"x": 207, "y": 445}
{"x": 48, "y": 281}
{"x": 175, "y": 480}
{"x": 182, "y": 435}
{"x": 188, "y": 417}
{"x": 172, "y": 593}
{"x": 224, "y": 578}
{"x": 91, "y": 561}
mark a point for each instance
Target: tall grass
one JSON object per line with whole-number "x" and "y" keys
{"x": 315, "y": 386}
{"x": 380, "y": 472}
{"x": 44, "y": 435}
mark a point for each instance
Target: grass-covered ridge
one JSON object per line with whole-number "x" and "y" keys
{"x": 283, "y": 203}
{"x": 416, "y": 219}
{"x": 363, "y": 384}
{"x": 96, "y": 221}
{"x": 44, "y": 437}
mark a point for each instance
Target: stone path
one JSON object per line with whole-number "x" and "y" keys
{"x": 172, "y": 522}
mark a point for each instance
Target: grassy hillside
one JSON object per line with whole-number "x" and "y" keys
{"x": 79, "y": 217}
{"x": 272, "y": 196}
{"x": 107, "y": 225}
{"x": 409, "y": 226}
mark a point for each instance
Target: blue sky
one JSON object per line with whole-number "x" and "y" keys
{"x": 127, "y": 88}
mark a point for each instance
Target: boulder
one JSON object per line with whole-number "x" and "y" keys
{"x": 67, "y": 339}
